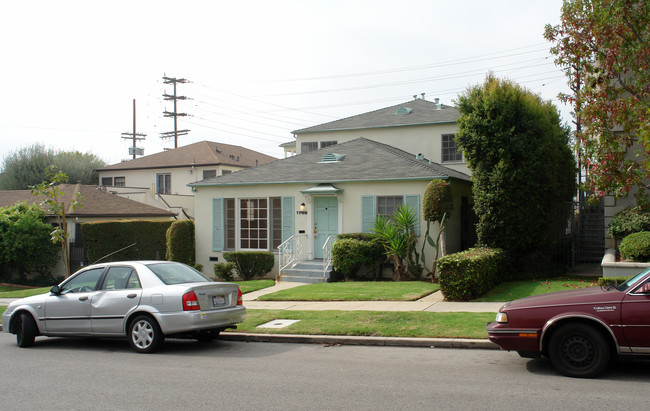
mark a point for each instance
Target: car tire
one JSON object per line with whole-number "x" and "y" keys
{"x": 579, "y": 350}
{"x": 26, "y": 330}
{"x": 206, "y": 335}
{"x": 145, "y": 335}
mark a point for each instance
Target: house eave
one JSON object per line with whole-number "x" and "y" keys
{"x": 259, "y": 183}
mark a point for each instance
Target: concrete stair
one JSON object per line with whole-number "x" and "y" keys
{"x": 310, "y": 271}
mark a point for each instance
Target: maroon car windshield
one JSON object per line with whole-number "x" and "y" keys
{"x": 177, "y": 273}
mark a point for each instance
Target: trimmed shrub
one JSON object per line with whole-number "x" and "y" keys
{"x": 180, "y": 242}
{"x": 611, "y": 281}
{"x": 112, "y": 240}
{"x": 354, "y": 250}
{"x": 224, "y": 271}
{"x": 438, "y": 200}
{"x": 636, "y": 247}
{"x": 629, "y": 221}
{"x": 469, "y": 274}
{"x": 357, "y": 236}
{"x": 251, "y": 264}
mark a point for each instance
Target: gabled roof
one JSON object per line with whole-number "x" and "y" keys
{"x": 203, "y": 153}
{"x": 364, "y": 160}
{"x": 96, "y": 202}
{"x": 415, "y": 112}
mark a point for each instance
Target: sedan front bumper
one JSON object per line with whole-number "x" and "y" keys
{"x": 524, "y": 340}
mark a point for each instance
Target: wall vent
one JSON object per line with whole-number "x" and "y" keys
{"x": 332, "y": 158}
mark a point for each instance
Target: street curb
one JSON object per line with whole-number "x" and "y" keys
{"x": 356, "y": 340}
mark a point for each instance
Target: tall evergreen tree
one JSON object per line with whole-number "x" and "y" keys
{"x": 522, "y": 165}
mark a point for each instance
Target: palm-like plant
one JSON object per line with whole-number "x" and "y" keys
{"x": 397, "y": 235}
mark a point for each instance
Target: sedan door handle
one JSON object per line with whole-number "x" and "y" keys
{"x": 84, "y": 298}
{"x": 131, "y": 296}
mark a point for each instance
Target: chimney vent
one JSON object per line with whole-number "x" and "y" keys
{"x": 422, "y": 94}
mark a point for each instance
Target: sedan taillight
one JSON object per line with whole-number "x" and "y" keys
{"x": 190, "y": 302}
{"x": 239, "y": 298}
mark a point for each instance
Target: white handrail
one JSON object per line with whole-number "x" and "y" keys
{"x": 327, "y": 252}
{"x": 291, "y": 251}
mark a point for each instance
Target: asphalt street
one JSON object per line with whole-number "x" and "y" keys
{"x": 70, "y": 374}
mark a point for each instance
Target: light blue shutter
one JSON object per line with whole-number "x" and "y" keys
{"x": 367, "y": 213}
{"x": 413, "y": 202}
{"x": 217, "y": 224}
{"x": 287, "y": 217}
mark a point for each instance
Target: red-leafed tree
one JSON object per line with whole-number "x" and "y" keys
{"x": 604, "y": 48}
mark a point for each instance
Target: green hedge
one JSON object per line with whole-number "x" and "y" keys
{"x": 612, "y": 281}
{"x": 351, "y": 251}
{"x": 104, "y": 238}
{"x": 636, "y": 247}
{"x": 180, "y": 242}
{"x": 224, "y": 271}
{"x": 629, "y": 221}
{"x": 251, "y": 264}
{"x": 469, "y": 274}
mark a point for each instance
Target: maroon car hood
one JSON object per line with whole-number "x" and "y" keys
{"x": 581, "y": 296}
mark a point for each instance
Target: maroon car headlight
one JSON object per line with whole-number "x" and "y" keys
{"x": 502, "y": 318}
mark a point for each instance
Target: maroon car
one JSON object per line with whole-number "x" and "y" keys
{"x": 579, "y": 330}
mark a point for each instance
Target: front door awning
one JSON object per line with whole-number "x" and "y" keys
{"x": 323, "y": 188}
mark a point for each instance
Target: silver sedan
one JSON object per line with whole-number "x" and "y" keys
{"x": 145, "y": 301}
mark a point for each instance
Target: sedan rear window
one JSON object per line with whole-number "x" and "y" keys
{"x": 177, "y": 274}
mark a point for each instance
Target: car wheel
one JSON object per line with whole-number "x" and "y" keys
{"x": 25, "y": 330}
{"x": 578, "y": 350}
{"x": 144, "y": 334}
{"x": 207, "y": 335}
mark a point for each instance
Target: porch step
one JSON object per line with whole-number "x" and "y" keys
{"x": 306, "y": 272}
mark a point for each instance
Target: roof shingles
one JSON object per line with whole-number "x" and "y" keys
{"x": 421, "y": 112}
{"x": 365, "y": 160}
{"x": 197, "y": 154}
{"x": 96, "y": 202}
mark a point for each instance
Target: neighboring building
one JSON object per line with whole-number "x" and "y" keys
{"x": 304, "y": 200}
{"x": 418, "y": 126}
{"x": 162, "y": 179}
{"x": 97, "y": 205}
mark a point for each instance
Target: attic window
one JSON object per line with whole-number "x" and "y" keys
{"x": 332, "y": 158}
{"x": 404, "y": 110}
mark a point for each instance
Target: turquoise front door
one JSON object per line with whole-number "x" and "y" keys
{"x": 326, "y": 222}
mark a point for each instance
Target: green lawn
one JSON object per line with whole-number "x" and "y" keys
{"x": 19, "y": 292}
{"x": 254, "y": 285}
{"x": 371, "y": 323}
{"x": 355, "y": 291}
{"x": 517, "y": 289}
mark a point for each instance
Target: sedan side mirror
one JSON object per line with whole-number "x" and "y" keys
{"x": 55, "y": 290}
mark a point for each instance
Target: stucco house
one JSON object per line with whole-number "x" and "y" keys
{"x": 96, "y": 205}
{"x": 296, "y": 206}
{"x": 162, "y": 179}
{"x": 418, "y": 126}
{"x": 335, "y": 178}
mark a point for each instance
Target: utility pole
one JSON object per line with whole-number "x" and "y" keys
{"x": 175, "y": 114}
{"x": 134, "y": 136}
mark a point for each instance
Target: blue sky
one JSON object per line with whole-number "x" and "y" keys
{"x": 257, "y": 70}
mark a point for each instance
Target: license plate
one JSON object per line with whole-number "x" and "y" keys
{"x": 218, "y": 301}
